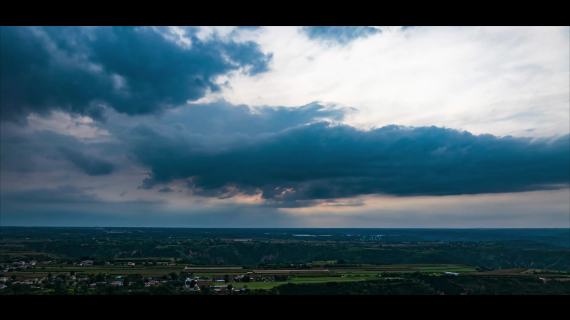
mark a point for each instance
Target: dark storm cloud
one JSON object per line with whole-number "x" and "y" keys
{"x": 133, "y": 70}
{"x": 339, "y": 34}
{"x": 94, "y": 212}
{"x": 301, "y": 162}
{"x": 89, "y": 164}
{"x": 41, "y": 196}
{"x": 24, "y": 151}
{"x": 68, "y": 206}
{"x": 165, "y": 190}
{"x": 294, "y": 156}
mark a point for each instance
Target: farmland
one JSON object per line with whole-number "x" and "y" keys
{"x": 135, "y": 261}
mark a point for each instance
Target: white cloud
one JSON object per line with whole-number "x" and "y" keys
{"x": 207, "y": 33}
{"x": 497, "y": 80}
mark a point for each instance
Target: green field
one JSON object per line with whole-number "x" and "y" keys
{"x": 358, "y": 274}
{"x": 296, "y": 276}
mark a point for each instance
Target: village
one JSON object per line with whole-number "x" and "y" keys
{"x": 85, "y": 276}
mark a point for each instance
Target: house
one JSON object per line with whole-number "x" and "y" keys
{"x": 86, "y": 263}
{"x": 26, "y": 282}
{"x": 243, "y": 278}
{"x": 219, "y": 288}
{"x": 117, "y": 283}
{"x": 202, "y": 282}
{"x": 152, "y": 283}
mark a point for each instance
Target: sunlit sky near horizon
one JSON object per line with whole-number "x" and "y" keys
{"x": 285, "y": 126}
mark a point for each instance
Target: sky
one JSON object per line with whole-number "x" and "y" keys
{"x": 423, "y": 127}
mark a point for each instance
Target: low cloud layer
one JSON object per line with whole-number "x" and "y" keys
{"x": 87, "y": 163}
{"x": 291, "y": 156}
{"x": 310, "y": 160}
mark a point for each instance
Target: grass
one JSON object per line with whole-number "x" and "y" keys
{"x": 259, "y": 285}
{"x": 357, "y": 274}
{"x": 299, "y": 280}
{"x": 403, "y": 268}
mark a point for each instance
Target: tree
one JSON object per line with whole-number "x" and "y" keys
{"x": 204, "y": 289}
{"x": 99, "y": 277}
